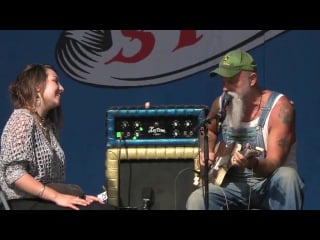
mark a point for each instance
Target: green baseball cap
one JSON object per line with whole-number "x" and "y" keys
{"x": 233, "y": 62}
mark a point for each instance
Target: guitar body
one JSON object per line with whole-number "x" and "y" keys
{"x": 222, "y": 161}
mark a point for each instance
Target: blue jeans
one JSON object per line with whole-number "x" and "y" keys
{"x": 283, "y": 190}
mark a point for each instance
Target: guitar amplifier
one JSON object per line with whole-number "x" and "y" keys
{"x": 160, "y": 125}
{"x": 153, "y": 148}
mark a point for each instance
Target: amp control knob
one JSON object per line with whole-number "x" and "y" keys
{"x": 136, "y": 124}
{"x": 124, "y": 124}
{"x": 176, "y": 133}
{"x": 175, "y": 124}
{"x": 187, "y": 123}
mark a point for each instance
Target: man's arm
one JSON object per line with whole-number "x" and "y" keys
{"x": 281, "y": 136}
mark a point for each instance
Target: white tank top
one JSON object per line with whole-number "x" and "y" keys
{"x": 291, "y": 159}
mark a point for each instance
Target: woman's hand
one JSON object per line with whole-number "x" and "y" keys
{"x": 90, "y": 199}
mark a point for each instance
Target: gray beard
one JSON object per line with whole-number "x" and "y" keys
{"x": 235, "y": 111}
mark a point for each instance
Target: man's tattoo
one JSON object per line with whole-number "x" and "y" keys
{"x": 283, "y": 143}
{"x": 285, "y": 114}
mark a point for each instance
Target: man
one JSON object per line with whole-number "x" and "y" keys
{"x": 258, "y": 119}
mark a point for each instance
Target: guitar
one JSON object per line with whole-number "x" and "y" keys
{"x": 222, "y": 161}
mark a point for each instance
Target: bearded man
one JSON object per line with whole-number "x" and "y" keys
{"x": 256, "y": 118}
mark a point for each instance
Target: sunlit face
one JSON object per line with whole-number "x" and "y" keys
{"x": 238, "y": 87}
{"x": 240, "y": 83}
{"x": 52, "y": 90}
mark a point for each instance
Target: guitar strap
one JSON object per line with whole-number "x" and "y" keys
{"x": 265, "y": 110}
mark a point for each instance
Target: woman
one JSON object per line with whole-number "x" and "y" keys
{"x": 32, "y": 162}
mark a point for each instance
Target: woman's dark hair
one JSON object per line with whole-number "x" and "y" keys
{"x": 23, "y": 91}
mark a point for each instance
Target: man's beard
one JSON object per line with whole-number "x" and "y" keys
{"x": 235, "y": 111}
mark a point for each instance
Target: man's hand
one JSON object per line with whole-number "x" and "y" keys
{"x": 246, "y": 158}
{"x": 202, "y": 160}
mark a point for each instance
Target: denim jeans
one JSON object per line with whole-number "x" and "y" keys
{"x": 283, "y": 190}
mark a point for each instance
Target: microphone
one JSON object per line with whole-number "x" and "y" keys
{"x": 226, "y": 100}
{"x": 221, "y": 115}
{"x": 147, "y": 195}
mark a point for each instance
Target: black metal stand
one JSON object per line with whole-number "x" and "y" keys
{"x": 219, "y": 118}
{"x": 206, "y": 165}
